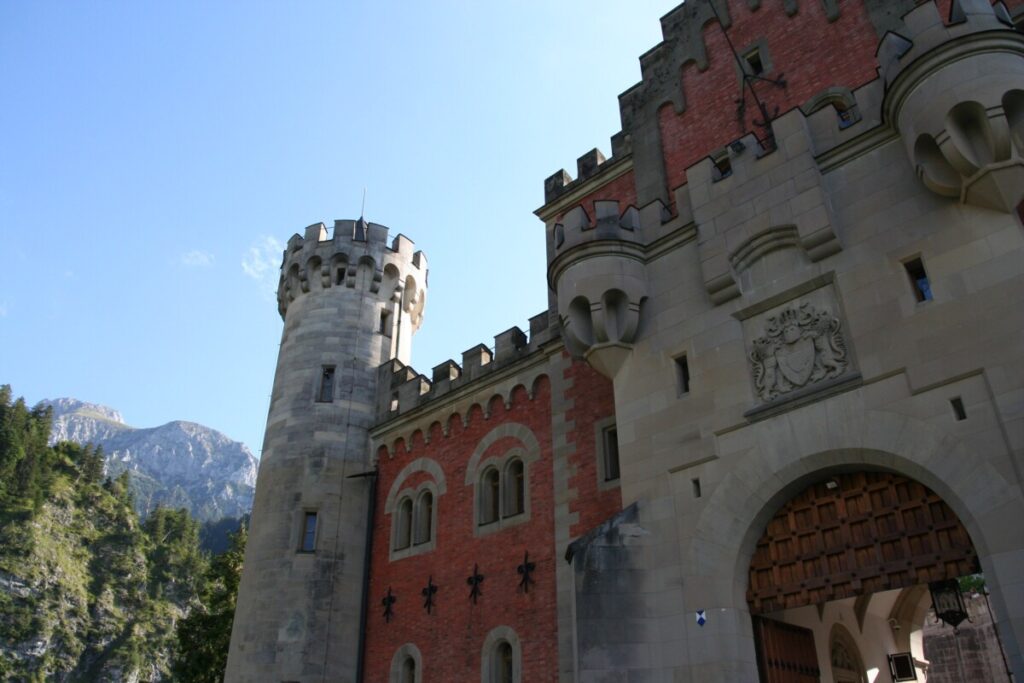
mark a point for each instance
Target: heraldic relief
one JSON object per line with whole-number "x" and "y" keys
{"x": 801, "y": 345}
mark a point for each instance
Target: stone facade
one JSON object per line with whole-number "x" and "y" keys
{"x": 745, "y": 301}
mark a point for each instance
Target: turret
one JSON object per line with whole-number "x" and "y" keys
{"x": 596, "y": 268}
{"x": 955, "y": 92}
{"x": 350, "y": 302}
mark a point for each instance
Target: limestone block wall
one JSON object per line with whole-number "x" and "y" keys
{"x": 864, "y": 373}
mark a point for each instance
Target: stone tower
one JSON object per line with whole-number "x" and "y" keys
{"x": 350, "y": 302}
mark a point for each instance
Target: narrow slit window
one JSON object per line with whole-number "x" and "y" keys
{"x": 696, "y": 487}
{"x": 723, "y": 167}
{"x": 611, "y": 454}
{"x": 326, "y": 393}
{"x": 958, "y": 408}
{"x": 919, "y": 279}
{"x": 683, "y": 375}
{"x": 308, "y": 533}
{"x": 755, "y": 65}
{"x": 394, "y": 402}
{"x": 385, "y": 323}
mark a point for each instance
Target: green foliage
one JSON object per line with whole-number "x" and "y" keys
{"x": 975, "y": 583}
{"x": 81, "y": 575}
{"x": 204, "y": 636}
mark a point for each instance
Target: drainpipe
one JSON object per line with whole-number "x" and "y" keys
{"x": 363, "y": 608}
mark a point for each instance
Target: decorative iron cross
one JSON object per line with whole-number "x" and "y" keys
{"x": 474, "y": 582}
{"x": 428, "y": 594}
{"x": 388, "y": 601}
{"x": 525, "y": 569}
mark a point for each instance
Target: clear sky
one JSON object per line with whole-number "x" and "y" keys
{"x": 155, "y": 157}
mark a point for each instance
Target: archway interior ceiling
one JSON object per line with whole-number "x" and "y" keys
{"x": 855, "y": 534}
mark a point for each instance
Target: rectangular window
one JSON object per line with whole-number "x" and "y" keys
{"x": 611, "y": 454}
{"x": 918, "y": 279}
{"x": 696, "y": 487}
{"x": 958, "y": 408}
{"x": 326, "y": 393}
{"x": 308, "y": 533}
{"x": 385, "y": 323}
{"x": 723, "y": 166}
{"x": 755, "y": 65}
{"x": 682, "y": 375}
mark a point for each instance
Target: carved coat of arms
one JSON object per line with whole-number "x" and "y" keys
{"x": 800, "y": 346}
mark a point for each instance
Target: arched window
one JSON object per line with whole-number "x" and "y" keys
{"x": 406, "y": 665}
{"x": 403, "y": 528}
{"x": 847, "y": 666}
{"x": 515, "y": 488}
{"x": 501, "y": 657}
{"x": 490, "y": 488}
{"x": 424, "y": 517}
{"x": 409, "y": 670}
{"x": 502, "y": 663}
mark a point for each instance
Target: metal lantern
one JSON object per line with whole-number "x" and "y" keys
{"x": 948, "y": 601}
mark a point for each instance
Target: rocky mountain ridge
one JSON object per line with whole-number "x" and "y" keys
{"x": 178, "y": 464}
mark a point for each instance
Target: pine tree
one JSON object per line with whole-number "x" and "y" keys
{"x": 204, "y": 636}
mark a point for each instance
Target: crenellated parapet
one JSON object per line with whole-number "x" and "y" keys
{"x": 403, "y": 389}
{"x": 955, "y": 93}
{"x": 355, "y": 255}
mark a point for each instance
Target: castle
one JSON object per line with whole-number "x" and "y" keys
{"x": 774, "y": 404}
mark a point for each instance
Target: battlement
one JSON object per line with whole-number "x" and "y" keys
{"x": 924, "y": 30}
{"x": 694, "y": 68}
{"x": 353, "y": 254}
{"x": 576, "y": 227}
{"x": 402, "y": 388}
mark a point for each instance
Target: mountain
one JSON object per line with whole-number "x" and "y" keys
{"x": 179, "y": 464}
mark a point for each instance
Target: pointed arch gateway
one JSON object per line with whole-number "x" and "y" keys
{"x": 854, "y": 534}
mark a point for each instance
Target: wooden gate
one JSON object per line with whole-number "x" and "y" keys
{"x": 785, "y": 653}
{"x": 855, "y": 534}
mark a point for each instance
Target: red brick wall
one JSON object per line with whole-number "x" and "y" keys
{"x": 622, "y": 189}
{"x": 812, "y": 53}
{"x": 451, "y": 639}
{"x": 593, "y": 401}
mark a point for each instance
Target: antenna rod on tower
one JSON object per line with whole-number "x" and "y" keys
{"x": 362, "y": 208}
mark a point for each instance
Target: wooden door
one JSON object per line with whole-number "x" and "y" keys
{"x": 855, "y": 534}
{"x": 785, "y": 653}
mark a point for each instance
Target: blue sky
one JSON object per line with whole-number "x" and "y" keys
{"x": 154, "y": 158}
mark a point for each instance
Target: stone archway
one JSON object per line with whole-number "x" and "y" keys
{"x": 774, "y": 460}
{"x": 854, "y": 534}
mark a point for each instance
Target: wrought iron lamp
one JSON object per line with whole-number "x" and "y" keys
{"x": 948, "y": 601}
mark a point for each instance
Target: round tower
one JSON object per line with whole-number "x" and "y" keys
{"x": 350, "y": 302}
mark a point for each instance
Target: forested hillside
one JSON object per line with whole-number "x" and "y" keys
{"x": 87, "y": 592}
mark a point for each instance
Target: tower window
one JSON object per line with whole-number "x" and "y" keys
{"x": 326, "y": 392}
{"x": 308, "y": 533}
{"x": 385, "y": 323}
{"x": 610, "y": 453}
{"x": 682, "y": 375}
{"x": 696, "y": 487}
{"x": 918, "y": 279}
